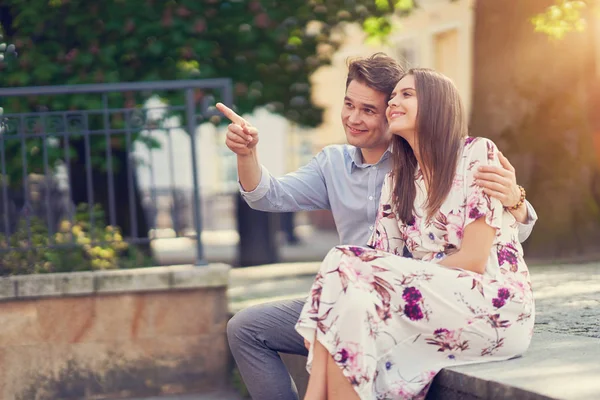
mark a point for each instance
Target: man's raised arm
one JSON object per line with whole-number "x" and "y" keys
{"x": 302, "y": 190}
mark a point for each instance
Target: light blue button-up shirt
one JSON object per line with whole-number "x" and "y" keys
{"x": 336, "y": 179}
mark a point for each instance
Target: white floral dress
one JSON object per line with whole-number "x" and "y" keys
{"x": 392, "y": 318}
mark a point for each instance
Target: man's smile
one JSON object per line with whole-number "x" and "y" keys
{"x": 355, "y": 130}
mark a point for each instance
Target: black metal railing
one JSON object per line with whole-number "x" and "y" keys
{"x": 68, "y": 177}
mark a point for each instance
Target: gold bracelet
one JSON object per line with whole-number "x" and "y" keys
{"x": 521, "y": 200}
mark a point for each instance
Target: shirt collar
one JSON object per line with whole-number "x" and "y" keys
{"x": 356, "y": 160}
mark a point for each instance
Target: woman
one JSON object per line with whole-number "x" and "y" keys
{"x": 444, "y": 282}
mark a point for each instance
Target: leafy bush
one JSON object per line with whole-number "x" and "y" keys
{"x": 76, "y": 246}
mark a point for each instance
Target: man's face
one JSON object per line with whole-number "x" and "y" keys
{"x": 363, "y": 116}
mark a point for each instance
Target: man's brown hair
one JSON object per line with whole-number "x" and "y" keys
{"x": 379, "y": 72}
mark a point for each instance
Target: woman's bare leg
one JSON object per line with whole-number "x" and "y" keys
{"x": 338, "y": 386}
{"x": 317, "y": 383}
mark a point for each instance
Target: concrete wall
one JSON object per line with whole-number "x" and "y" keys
{"x": 113, "y": 334}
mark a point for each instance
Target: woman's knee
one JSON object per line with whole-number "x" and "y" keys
{"x": 356, "y": 303}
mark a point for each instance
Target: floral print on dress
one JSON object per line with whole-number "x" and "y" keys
{"x": 391, "y": 317}
{"x": 449, "y": 341}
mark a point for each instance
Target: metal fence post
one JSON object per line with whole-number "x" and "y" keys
{"x": 190, "y": 111}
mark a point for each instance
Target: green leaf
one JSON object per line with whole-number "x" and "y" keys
{"x": 383, "y": 5}
{"x": 558, "y": 20}
{"x": 404, "y": 5}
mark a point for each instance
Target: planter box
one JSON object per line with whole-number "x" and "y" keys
{"x": 113, "y": 334}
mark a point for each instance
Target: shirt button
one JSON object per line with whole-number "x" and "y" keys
{"x": 371, "y": 228}
{"x": 375, "y": 167}
{"x": 370, "y": 197}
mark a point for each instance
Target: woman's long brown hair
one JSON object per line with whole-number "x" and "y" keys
{"x": 440, "y": 129}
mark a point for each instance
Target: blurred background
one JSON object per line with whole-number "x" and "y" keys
{"x": 112, "y": 159}
{"x": 149, "y": 161}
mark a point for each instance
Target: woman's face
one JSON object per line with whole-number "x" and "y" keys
{"x": 403, "y": 108}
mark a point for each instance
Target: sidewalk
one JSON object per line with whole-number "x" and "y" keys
{"x": 314, "y": 246}
{"x": 567, "y": 297}
{"x": 221, "y": 247}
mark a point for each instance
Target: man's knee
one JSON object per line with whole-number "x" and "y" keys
{"x": 238, "y": 328}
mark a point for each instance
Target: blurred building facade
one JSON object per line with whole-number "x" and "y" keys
{"x": 437, "y": 35}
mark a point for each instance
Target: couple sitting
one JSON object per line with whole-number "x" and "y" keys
{"x": 441, "y": 280}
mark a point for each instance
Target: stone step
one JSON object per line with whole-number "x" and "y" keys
{"x": 556, "y": 366}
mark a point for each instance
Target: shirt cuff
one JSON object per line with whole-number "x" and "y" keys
{"x": 261, "y": 190}
{"x": 531, "y": 215}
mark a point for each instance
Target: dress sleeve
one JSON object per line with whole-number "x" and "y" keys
{"x": 478, "y": 152}
{"x": 386, "y": 234}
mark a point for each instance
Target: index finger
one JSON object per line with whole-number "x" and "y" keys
{"x": 230, "y": 114}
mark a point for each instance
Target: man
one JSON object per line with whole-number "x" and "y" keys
{"x": 346, "y": 179}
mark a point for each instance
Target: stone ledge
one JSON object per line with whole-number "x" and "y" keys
{"x": 556, "y": 366}
{"x": 113, "y": 281}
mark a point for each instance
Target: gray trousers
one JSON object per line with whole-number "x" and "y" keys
{"x": 256, "y": 335}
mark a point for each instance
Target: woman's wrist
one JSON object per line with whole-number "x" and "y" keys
{"x": 519, "y": 205}
{"x": 520, "y": 213}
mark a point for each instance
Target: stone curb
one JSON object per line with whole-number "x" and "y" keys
{"x": 113, "y": 281}
{"x": 453, "y": 385}
{"x": 556, "y": 366}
